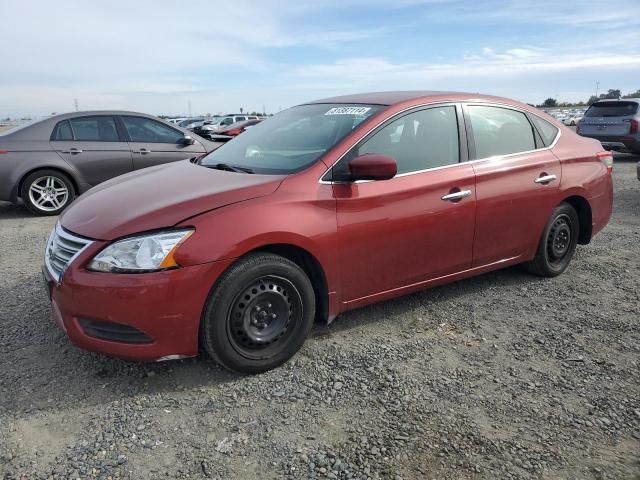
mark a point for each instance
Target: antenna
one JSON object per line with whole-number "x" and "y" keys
{"x": 75, "y": 103}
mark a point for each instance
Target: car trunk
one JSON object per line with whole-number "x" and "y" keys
{"x": 608, "y": 118}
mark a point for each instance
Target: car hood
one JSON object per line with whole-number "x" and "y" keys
{"x": 159, "y": 197}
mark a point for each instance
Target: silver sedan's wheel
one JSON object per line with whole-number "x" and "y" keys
{"x": 47, "y": 192}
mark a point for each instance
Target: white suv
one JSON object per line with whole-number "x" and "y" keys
{"x": 221, "y": 122}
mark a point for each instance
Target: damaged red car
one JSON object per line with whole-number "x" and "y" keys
{"x": 325, "y": 207}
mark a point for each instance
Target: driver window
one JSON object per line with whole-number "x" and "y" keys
{"x": 146, "y": 130}
{"x": 417, "y": 141}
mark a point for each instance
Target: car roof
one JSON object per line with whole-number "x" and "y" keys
{"x": 392, "y": 98}
{"x": 41, "y": 129}
{"x": 613, "y": 100}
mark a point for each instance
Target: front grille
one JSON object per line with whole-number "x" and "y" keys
{"x": 62, "y": 248}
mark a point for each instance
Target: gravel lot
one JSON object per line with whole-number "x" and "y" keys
{"x": 501, "y": 376}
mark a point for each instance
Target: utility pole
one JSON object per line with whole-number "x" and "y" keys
{"x": 597, "y": 88}
{"x": 75, "y": 102}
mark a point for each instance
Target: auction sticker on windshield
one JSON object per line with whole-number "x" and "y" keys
{"x": 348, "y": 111}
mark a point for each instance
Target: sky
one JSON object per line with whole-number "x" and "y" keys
{"x": 162, "y": 56}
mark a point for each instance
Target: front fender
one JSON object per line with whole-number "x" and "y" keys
{"x": 232, "y": 231}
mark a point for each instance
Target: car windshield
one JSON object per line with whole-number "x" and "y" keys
{"x": 292, "y": 140}
{"x": 612, "y": 109}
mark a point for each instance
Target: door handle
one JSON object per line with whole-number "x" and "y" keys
{"x": 72, "y": 151}
{"x": 452, "y": 197}
{"x": 544, "y": 179}
{"x": 142, "y": 151}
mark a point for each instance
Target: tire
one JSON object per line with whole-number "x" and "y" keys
{"x": 258, "y": 314}
{"x": 557, "y": 244}
{"x": 47, "y": 192}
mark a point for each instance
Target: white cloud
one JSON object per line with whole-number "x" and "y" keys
{"x": 156, "y": 55}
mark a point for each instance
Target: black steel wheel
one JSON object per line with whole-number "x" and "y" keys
{"x": 558, "y": 243}
{"x": 258, "y": 314}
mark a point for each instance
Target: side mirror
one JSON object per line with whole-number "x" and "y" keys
{"x": 187, "y": 140}
{"x": 372, "y": 166}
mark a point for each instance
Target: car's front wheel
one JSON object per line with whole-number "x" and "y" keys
{"x": 558, "y": 243}
{"x": 47, "y": 192}
{"x": 258, "y": 314}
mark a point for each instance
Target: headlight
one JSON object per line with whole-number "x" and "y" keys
{"x": 144, "y": 253}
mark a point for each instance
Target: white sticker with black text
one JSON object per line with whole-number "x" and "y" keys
{"x": 348, "y": 111}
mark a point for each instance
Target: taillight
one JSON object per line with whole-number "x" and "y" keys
{"x": 3, "y": 151}
{"x": 633, "y": 125}
{"x": 607, "y": 159}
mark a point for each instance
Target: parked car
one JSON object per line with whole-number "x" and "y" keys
{"x": 223, "y": 122}
{"x": 572, "y": 120}
{"x": 319, "y": 210}
{"x": 191, "y": 123}
{"x": 49, "y": 162}
{"x": 232, "y": 130}
{"x": 614, "y": 123}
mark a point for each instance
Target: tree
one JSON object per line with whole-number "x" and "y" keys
{"x": 635, "y": 94}
{"x": 611, "y": 94}
{"x": 550, "y": 102}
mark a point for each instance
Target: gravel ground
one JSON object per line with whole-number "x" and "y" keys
{"x": 501, "y": 376}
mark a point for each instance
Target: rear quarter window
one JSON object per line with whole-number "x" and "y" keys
{"x": 547, "y": 131}
{"x": 62, "y": 131}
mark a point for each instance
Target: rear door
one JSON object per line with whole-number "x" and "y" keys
{"x": 153, "y": 143}
{"x": 517, "y": 180}
{"x": 94, "y": 146}
{"x": 608, "y": 118}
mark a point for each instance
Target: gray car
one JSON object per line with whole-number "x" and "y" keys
{"x": 616, "y": 123}
{"x": 49, "y": 162}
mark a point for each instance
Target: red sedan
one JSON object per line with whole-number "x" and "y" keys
{"x": 326, "y": 207}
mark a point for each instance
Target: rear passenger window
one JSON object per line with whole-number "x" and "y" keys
{"x": 94, "y": 129}
{"x": 500, "y": 131}
{"x": 418, "y": 141}
{"x": 62, "y": 132}
{"x": 547, "y": 131}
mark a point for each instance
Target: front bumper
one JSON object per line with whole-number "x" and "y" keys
{"x": 164, "y": 306}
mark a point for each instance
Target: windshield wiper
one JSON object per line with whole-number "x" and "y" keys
{"x": 230, "y": 168}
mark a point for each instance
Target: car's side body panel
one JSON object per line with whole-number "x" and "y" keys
{"x": 23, "y": 157}
{"x": 401, "y": 232}
{"x": 512, "y": 209}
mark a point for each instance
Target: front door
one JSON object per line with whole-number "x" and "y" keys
{"x": 417, "y": 226}
{"x": 153, "y": 143}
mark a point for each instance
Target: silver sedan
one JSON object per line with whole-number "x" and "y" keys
{"x": 49, "y": 162}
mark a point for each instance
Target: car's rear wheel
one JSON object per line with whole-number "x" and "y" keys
{"x": 558, "y": 243}
{"x": 47, "y": 192}
{"x": 258, "y": 314}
